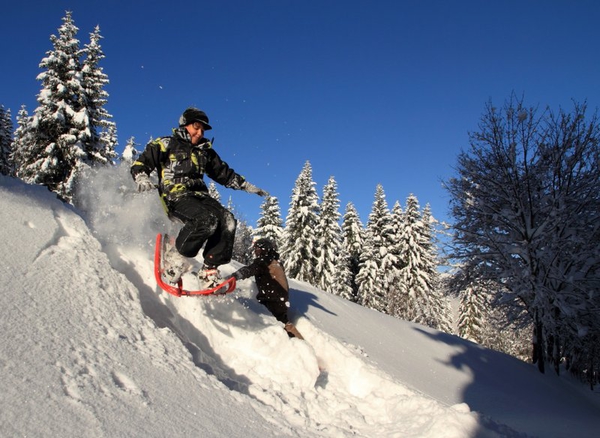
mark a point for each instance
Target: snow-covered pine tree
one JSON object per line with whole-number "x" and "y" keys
{"x": 298, "y": 251}
{"x": 396, "y": 298}
{"x": 444, "y": 313}
{"x": 367, "y": 279}
{"x": 103, "y": 140}
{"x": 22, "y": 140}
{"x": 270, "y": 222}
{"x": 214, "y": 192}
{"x": 342, "y": 277}
{"x": 329, "y": 238}
{"x": 6, "y": 129}
{"x": 479, "y": 320}
{"x": 242, "y": 245}
{"x": 419, "y": 276}
{"x": 55, "y": 151}
{"x": 59, "y": 122}
{"x": 352, "y": 241}
{"x": 371, "y": 280}
{"x": 108, "y": 138}
{"x": 130, "y": 152}
{"x": 472, "y": 314}
{"x": 60, "y": 140}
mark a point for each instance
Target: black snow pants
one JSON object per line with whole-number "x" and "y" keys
{"x": 205, "y": 220}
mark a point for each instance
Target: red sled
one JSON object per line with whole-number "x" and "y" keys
{"x": 178, "y": 289}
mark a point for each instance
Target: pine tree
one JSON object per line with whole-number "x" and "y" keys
{"x": 443, "y": 314}
{"x": 480, "y": 320}
{"x": 22, "y": 140}
{"x": 6, "y": 164}
{"x": 343, "y": 280}
{"x": 242, "y": 245}
{"x": 298, "y": 250}
{"x": 329, "y": 238}
{"x": 109, "y": 141}
{"x": 472, "y": 314}
{"x": 270, "y": 223}
{"x": 214, "y": 192}
{"x": 367, "y": 279}
{"x": 352, "y": 241}
{"x": 59, "y": 124}
{"x": 395, "y": 296}
{"x": 371, "y": 280}
{"x": 419, "y": 277}
{"x": 101, "y": 145}
{"x": 60, "y": 141}
{"x": 130, "y": 152}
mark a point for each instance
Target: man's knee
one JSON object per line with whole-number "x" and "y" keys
{"x": 229, "y": 221}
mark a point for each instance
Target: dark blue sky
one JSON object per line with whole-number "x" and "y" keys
{"x": 371, "y": 92}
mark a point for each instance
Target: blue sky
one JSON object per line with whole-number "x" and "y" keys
{"x": 371, "y": 92}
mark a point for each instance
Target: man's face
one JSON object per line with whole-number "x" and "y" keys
{"x": 196, "y": 131}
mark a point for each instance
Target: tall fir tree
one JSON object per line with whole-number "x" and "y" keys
{"x": 270, "y": 222}
{"x": 352, "y": 240}
{"x": 102, "y": 142}
{"x": 371, "y": 280}
{"x": 58, "y": 126}
{"x": 298, "y": 251}
{"x": 242, "y": 245}
{"x": 6, "y": 129}
{"x": 342, "y": 277}
{"x": 472, "y": 314}
{"x": 329, "y": 238}
{"x": 59, "y": 142}
{"x": 22, "y": 139}
{"x": 395, "y": 297}
{"x": 423, "y": 301}
{"x": 430, "y": 239}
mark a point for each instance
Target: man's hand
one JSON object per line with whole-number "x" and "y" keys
{"x": 251, "y": 188}
{"x": 143, "y": 182}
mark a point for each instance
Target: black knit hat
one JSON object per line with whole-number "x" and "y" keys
{"x": 192, "y": 115}
{"x": 266, "y": 244}
{"x": 267, "y": 249}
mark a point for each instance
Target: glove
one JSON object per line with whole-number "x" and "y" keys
{"x": 143, "y": 182}
{"x": 251, "y": 188}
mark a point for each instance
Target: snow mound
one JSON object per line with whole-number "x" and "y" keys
{"x": 92, "y": 348}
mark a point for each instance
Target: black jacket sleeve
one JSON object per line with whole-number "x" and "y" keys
{"x": 219, "y": 171}
{"x": 148, "y": 161}
{"x": 254, "y": 268}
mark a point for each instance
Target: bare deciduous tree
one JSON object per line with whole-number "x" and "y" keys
{"x": 526, "y": 204}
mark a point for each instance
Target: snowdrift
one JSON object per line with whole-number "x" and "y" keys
{"x": 91, "y": 347}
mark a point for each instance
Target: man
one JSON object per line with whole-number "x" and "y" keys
{"x": 273, "y": 289}
{"x": 181, "y": 160}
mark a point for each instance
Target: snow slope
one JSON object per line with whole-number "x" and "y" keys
{"x": 90, "y": 347}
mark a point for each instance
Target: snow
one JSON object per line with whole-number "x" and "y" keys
{"x": 92, "y": 348}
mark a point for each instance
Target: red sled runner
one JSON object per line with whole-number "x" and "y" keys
{"x": 178, "y": 289}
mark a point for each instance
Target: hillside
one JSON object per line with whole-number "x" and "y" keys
{"x": 92, "y": 348}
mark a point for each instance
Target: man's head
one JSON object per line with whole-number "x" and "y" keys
{"x": 264, "y": 246}
{"x": 195, "y": 122}
{"x": 192, "y": 115}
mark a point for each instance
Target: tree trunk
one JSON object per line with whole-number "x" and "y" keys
{"x": 538, "y": 347}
